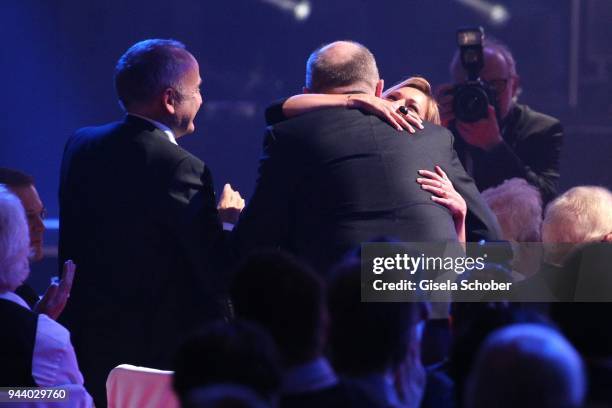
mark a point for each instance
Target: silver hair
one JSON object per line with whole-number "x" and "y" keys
{"x": 14, "y": 241}
{"x": 518, "y": 208}
{"x": 580, "y": 215}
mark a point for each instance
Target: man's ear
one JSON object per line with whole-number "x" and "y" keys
{"x": 305, "y": 90}
{"x": 380, "y": 85}
{"x": 607, "y": 237}
{"x": 169, "y": 100}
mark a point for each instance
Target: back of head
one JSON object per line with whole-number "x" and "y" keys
{"x": 14, "y": 178}
{"x": 14, "y": 242}
{"x": 518, "y": 208}
{"x": 526, "y": 365}
{"x": 148, "y": 68}
{"x": 237, "y": 353}
{"x": 366, "y": 338}
{"x": 342, "y": 66}
{"x": 580, "y": 215}
{"x": 286, "y": 298}
{"x": 224, "y": 396}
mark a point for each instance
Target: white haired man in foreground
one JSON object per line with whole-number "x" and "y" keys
{"x": 35, "y": 350}
{"x": 580, "y": 215}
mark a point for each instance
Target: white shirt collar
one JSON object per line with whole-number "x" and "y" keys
{"x": 15, "y": 298}
{"x": 158, "y": 125}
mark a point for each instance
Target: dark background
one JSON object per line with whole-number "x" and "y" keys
{"x": 57, "y": 59}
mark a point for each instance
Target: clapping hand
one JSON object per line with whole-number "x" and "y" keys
{"x": 230, "y": 205}
{"x": 54, "y": 300}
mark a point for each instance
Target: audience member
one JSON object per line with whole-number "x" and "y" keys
{"x": 580, "y": 215}
{"x": 513, "y": 141}
{"x": 34, "y": 349}
{"x": 586, "y": 326}
{"x": 471, "y": 323}
{"x": 228, "y": 353}
{"x": 54, "y": 300}
{"x": 526, "y": 365}
{"x": 138, "y": 215}
{"x": 375, "y": 347}
{"x": 287, "y": 298}
{"x": 224, "y": 396}
{"x": 518, "y": 208}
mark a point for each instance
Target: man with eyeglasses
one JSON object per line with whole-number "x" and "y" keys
{"x": 54, "y": 300}
{"x": 521, "y": 143}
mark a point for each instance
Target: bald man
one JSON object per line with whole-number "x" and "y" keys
{"x": 334, "y": 178}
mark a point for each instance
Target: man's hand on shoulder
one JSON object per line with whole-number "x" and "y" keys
{"x": 483, "y": 134}
{"x": 230, "y": 205}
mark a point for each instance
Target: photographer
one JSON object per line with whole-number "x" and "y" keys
{"x": 508, "y": 139}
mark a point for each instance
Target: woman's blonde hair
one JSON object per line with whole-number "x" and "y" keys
{"x": 432, "y": 113}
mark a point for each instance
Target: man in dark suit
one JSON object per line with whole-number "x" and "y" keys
{"x": 334, "y": 178}
{"x": 138, "y": 215}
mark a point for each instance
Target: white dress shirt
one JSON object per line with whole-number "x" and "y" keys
{"x": 54, "y": 362}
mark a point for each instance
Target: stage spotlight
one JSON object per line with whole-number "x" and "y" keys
{"x": 300, "y": 9}
{"x": 497, "y": 14}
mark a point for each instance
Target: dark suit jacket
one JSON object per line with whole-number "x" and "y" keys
{"x": 138, "y": 217}
{"x": 332, "y": 179}
{"x": 531, "y": 150}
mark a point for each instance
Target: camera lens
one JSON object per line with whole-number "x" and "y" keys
{"x": 471, "y": 102}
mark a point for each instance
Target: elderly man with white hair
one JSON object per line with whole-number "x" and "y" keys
{"x": 34, "y": 349}
{"x": 580, "y": 215}
{"x": 526, "y": 365}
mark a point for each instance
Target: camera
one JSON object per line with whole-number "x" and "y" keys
{"x": 471, "y": 99}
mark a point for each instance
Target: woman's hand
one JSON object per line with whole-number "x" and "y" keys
{"x": 445, "y": 194}
{"x": 389, "y": 111}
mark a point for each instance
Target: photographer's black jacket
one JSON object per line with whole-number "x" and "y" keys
{"x": 531, "y": 150}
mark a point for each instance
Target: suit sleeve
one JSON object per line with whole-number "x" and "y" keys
{"x": 543, "y": 174}
{"x": 265, "y": 221}
{"x": 190, "y": 212}
{"x": 480, "y": 221}
{"x": 274, "y": 113}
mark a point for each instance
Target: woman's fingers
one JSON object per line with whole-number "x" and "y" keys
{"x": 441, "y": 172}
{"x": 402, "y": 121}
{"x": 440, "y": 192}
{"x": 431, "y": 175}
{"x": 430, "y": 182}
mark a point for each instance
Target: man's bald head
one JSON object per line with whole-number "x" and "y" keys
{"x": 342, "y": 66}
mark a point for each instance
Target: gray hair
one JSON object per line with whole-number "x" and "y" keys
{"x": 518, "y": 208}
{"x": 148, "y": 67}
{"x": 580, "y": 215}
{"x": 14, "y": 241}
{"x": 526, "y": 365}
{"x": 325, "y": 71}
